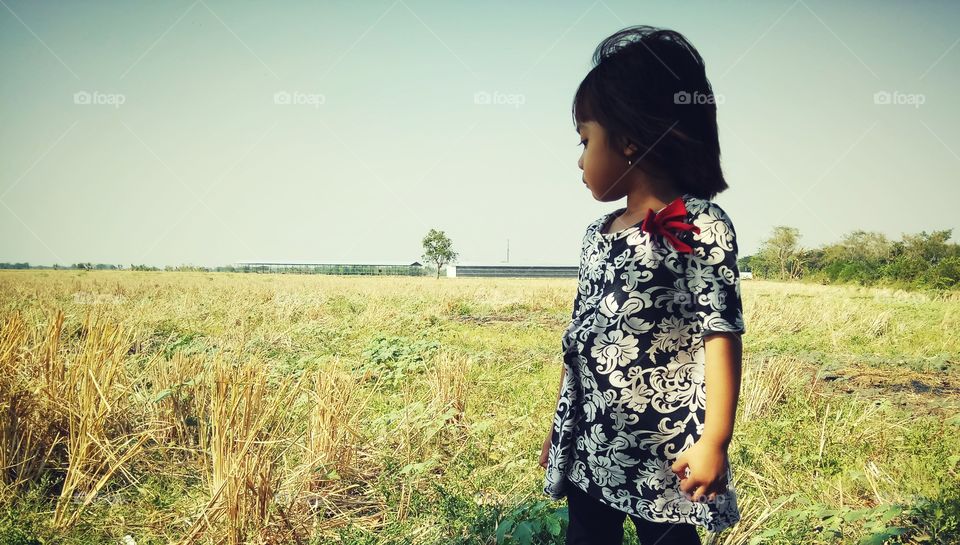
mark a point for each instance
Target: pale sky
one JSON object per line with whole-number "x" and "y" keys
{"x": 177, "y": 149}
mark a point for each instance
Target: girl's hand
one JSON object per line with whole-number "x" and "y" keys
{"x": 708, "y": 470}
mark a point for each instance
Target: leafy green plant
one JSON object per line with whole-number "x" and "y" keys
{"x": 839, "y": 522}
{"x": 14, "y": 531}
{"x": 532, "y": 523}
{"x": 392, "y": 358}
{"x": 937, "y": 520}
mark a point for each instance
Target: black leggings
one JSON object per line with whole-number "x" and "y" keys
{"x": 595, "y": 523}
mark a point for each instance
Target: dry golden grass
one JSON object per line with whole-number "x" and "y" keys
{"x": 235, "y": 409}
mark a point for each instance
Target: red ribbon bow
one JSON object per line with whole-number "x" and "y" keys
{"x": 667, "y": 220}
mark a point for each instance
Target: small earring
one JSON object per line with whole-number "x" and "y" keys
{"x": 629, "y": 162}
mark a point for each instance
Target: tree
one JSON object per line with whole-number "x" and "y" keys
{"x": 781, "y": 254}
{"x": 438, "y": 249}
{"x": 917, "y": 258}
{"x": 860, "y": 245}
{"x": 928, "y": 248}
{"x": 859, "y": 257}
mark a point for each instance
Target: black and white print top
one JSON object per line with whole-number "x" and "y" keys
{"x": 633, "y": 397}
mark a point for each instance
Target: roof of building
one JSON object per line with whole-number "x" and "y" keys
{"x": 511, "y": 264}
{"x": 316, "y": 263}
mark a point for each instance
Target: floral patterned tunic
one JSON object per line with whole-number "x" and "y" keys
{"x": 633, "y": 397}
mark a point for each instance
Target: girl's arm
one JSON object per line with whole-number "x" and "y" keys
{"x": 715, "y": 287}
{"x": 722, "y": 372}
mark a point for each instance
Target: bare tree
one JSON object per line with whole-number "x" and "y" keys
{"x": 783, "y": 253}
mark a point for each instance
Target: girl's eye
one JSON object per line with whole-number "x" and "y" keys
{"x": 582, "y": 143}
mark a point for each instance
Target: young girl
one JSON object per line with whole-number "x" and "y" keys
{"x": 657, "y": 316}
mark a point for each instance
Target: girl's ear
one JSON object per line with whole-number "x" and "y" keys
{"x": 630, "y": 150}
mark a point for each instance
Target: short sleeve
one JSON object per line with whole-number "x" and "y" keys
{"x": 581, "y": 272}
{"x": 712, "y": 274}
{"x": 583, "y": 287}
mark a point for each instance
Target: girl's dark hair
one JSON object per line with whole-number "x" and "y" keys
{"x": 649, "y": 87}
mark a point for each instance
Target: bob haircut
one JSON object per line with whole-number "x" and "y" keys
{"x": 649, "y": 87}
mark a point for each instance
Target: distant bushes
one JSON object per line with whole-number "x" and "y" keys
{"x": 867, "y": 258}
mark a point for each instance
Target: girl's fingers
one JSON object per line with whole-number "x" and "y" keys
{"x": 713, "y": 491}
{"x": 688, "y": 487}
{"x": 701, "y": 490}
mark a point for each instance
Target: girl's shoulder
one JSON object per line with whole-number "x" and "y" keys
{"x": 595, "y": 226}
{"x": 697, "y": 205}
{"x": 705, "y": 211}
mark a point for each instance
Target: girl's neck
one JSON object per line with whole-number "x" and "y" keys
{"x": 641, "y": 199}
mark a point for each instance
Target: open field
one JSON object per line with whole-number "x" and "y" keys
{"x": 229, "y": 408}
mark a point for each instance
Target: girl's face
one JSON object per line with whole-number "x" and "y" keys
{"x": 605, "y": 172}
